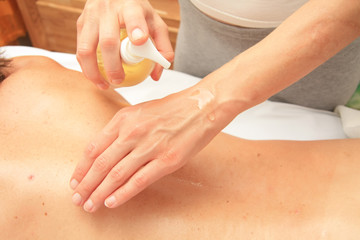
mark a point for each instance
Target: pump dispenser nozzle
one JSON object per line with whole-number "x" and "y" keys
{"x": 132, "y": 54}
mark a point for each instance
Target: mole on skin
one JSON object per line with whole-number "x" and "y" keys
{"x": 31, "y": 177}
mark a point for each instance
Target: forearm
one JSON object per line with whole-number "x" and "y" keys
{"x": 305, "y": 40}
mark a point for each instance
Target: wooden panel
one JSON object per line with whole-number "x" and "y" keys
{"x": 11, "y": 23}
{"x": 70, "y": 3}
{"x": 173, "y": 35}
{"x": 78, "y": 3}
{"x": 33, "y": 23}
{"x": 59, "y": 22}
{"x": 169, "y": 11}
{"x": 51, "y": 24}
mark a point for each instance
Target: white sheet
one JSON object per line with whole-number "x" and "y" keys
{"x": 269, "y": 120}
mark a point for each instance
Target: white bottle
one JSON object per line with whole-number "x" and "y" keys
{"x": 138, "y": 61}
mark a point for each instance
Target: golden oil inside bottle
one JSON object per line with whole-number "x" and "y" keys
{"x": 134, "y": 73}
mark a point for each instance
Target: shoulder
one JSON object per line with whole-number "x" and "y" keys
{"x": 31, "y": 71}
{"x": 33, "y": 62}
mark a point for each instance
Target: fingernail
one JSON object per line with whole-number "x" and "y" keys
{"x": 102, "y": 86}
{"x": 88, "y": 206}
{"x": 137, "y": 34}
{"x": 110, "y": 201}
{"x": 74, "y": 184}
{"x": 76, "y": 198}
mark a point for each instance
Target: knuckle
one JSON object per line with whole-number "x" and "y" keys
{"x": 160, "y": 25}
{"x": 85, "y": 189}
{"x": 90, "y": 151}
{"x": 163, "y": 26}
{"x": 97, "y": 197}
{"x": 115, "y": 73}
{"x": 108, "y": 42}
{"x": 80, "y": 173}
{"x": 116, "y": 175}
{"x": 101, "y": 4}
{"x": 130, "y": 137}
{"x": 84, "y": 52}
{"x": 79, "y": 23}
{"x": 171, "y": 161}
{"x": 135, "y": 6}
{"x": 101, "y": 164}
{"x": 124, "y": 193}
{"x": 140, "y": 181}
{"x": 136, "y": 15}
{"x": 118, "y": 143}
{"x": 136, "y": 132}
{"x": 169, "y": 158}
{"x": 90, "y": 12}
{"x": 119, "y": 116}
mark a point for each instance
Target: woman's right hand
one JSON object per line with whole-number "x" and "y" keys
{"x": 100, "y": 24}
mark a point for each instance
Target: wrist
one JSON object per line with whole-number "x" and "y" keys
{"x": 232, "y": 90}
{"x": 217, "y": 107}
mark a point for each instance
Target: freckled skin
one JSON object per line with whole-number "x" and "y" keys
{"x": 233, "y": 189}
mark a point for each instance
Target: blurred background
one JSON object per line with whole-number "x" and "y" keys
{"x": 51, "y": 24}
{"x": 12, "y": 27}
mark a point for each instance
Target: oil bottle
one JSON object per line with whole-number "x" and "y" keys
{"x": 138, "y": 61}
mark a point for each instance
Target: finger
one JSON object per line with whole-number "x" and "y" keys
{"x": 145, "y": 176}
{"x": 118, "y": 175}
{"x": 99, "y": 170}
{"x": 110, "y": 47}
{"x": 162, "y": 43}
{"x": 156, "y": 73}
{"x": 79, "y": 26}
{"x": 87, "y": 39}
{"x": 97, "y": 146}
{"x": 93, "y": 150}
{"x": 135, "y": 22}
{"x": 161, "y": 38}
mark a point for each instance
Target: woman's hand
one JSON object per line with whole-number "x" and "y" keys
{"x": 141, "y": 144}
{"x": 100, "y": 23}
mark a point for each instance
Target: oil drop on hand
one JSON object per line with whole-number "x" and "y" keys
{"x": 138, "y": 61}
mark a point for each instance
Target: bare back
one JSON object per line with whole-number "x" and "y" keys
{"x": 232, "y": 189}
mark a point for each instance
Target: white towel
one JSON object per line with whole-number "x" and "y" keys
{"x": 350, "y": 119}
